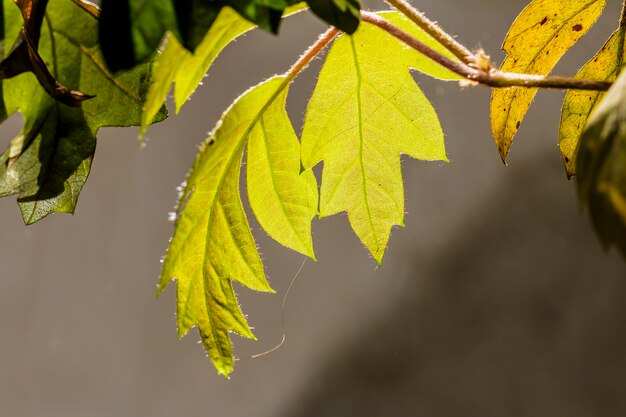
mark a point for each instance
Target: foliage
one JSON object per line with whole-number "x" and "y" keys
{"x": 538, "y": 38}
{"x": 61, "y": 68}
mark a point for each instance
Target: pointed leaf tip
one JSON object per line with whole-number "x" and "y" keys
{"x": 359, "y": 90}
{"x": 538, "y": 38}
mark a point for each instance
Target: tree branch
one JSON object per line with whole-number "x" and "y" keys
{"x": 430, "y": 27}
{"x": 485, "y": 74}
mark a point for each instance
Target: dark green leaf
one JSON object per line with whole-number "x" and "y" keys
{"x": 48, "y": 163}
{"x": 343, "y": 14}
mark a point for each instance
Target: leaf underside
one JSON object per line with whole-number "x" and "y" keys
{"x": 538, "y": 38}
{"x": 212, "y": 244}
{"x": 365, "y": 111}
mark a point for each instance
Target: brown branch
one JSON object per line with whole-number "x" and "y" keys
{"x": 430, "y": 27}
{"x": 488, "y": 75}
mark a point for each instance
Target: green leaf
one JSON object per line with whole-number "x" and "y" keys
{"x": 601, "y": 166}
{"x": 578, "y": 104}
{"x": 131, "y": 30}
{"x": 48, "y": 163}
{"x": 365, "y": 111}
{"x": 343, "y": 14}
{"x": 283, "y": 200}
{"x": 187, "y": 70}
{"x": 176, "y": 64}
{"x": 538, "y": 38}
{"x": 212, "y": 244}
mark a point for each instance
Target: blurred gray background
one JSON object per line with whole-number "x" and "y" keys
{"x": 496, "y": 299}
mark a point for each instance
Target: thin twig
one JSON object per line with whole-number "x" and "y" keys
{"x": 308, "y": 55}
{"x": 490, "y": 76}
{"x": 430, "y": 27}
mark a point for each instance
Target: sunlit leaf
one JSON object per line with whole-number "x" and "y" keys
{"x": 578, "y": 104}
{"x": 176, "y": 64}
{"x": 283, "y": 200}
{"x": 365, "y": 111}
{"x": 212, "y": 244}
{"x": 601, "y": 166}
{"x": 538, "y": 38}
{"x": 48, "y": 163}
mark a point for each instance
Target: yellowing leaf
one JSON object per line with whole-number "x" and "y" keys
{"x": 578, "y": 104}
{"x": 212, "y": 244}
{"x": 601, "y": 166}
{"x": 365, "y": 111}
{"x": 538, "y": 38}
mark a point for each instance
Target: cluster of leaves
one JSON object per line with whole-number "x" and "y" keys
{"x": 361, "y": 117}
{"x": 63, "y": 71}
{"x": 132, "y": 30}
{"x": 592, "y": 149}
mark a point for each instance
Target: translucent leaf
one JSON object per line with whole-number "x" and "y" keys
{"x": 365, "y": 111}
{"x": 212, "y": 244}
{"x": 578, "y": 104}
{"x": 283, "y": 200}
{"x": 601, "y": 166}
{"x": 176, "y": 64}
{"x": 538, "y": 38}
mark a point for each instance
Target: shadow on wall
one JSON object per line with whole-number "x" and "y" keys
{"x": 522, "y": 316}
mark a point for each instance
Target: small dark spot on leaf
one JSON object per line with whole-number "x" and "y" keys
{"x": 211, "y": 142}
{"x": 566, "y": 159}
{"x": 577, "y": 27}
{"x": 543, "y": 22}
{"x": 517, "y": 125}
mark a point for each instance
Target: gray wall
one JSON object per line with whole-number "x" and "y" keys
{"x": 495, "y": 299}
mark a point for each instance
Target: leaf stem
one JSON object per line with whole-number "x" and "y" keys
{"x": 485, "y": 74}
{"x": 430, "y": 27}
{"x": 308, "y": 55}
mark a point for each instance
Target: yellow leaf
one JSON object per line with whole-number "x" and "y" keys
{"x": 578, "y": 104}
{"x": 538, "y": 38}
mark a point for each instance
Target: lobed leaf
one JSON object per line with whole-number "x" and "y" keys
{"x": 538, "y": 38}
{"x": 186, "y": 70}
{"x": 48, "y": 163}
{"x": 601, "y": 166}
{"x": 579, "y": 104}
{"x": 212, "y": 244}
{"x": 365, "y": 111}
{"x": 283, "y": 200}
